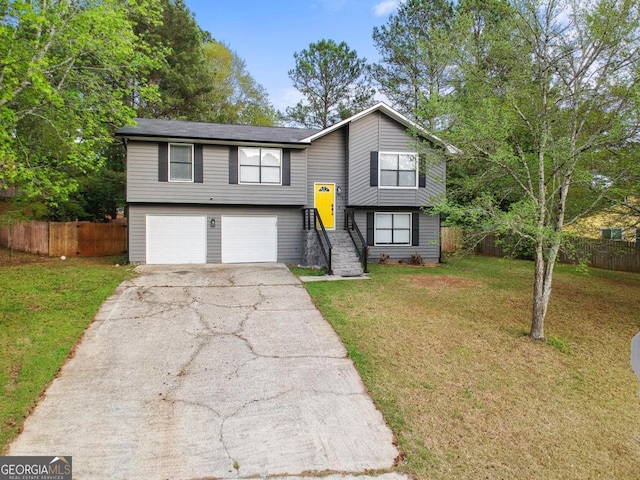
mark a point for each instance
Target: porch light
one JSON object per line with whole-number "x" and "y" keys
{"x": 213, "y": 223}
{"x": 339, "y": 190}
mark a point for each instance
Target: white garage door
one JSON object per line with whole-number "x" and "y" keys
{"x": 174, "y": 239}
{"x": 249, "y": 239}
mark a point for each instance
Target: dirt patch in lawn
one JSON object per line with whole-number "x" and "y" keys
{"x": 442, "y": 282}
{"x": 9, "y": 258}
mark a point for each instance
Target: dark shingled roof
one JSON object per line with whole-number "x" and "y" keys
{"x": 146, "y": 127}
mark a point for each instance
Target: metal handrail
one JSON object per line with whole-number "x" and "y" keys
{"x": 352, "y": 226}
{"x": 311, "y": 214}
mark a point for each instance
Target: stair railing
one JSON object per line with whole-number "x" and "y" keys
{"x": 312, "y": 221}
{"x": 358, "y": 240}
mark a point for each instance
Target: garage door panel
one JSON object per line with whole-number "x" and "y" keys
{"x": 176, "y": 239}
{"x": 248, "y": 239}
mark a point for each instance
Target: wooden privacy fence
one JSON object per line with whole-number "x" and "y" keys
{"x": 71, "y": 239}
{"x": 606, "y": 254}
{"x": 490, "y": 245}
{"x": 31, "y": 237}
{"x": 450, "y": 239}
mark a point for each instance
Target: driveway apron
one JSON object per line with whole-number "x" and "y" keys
{"x": 210, "y": 371}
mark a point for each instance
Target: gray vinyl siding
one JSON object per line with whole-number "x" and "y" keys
{"x": 429, "y": 239}
{"x": 289, "y": 228}
{"x": 326, "y": 163}
{"x": 379, "y": 133}
{"x": 143, "y": 184}
{"x": 363, "y": 139}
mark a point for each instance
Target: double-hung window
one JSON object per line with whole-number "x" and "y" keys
{"x": 393, "y": 229}
{"x": 180, "y": 163}
{"x": 614, "y": 233}
{"x": 399, "y": 170}
{"x": 260, "y": 165}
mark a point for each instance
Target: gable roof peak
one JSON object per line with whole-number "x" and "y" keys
{"x": 390, "y": 112}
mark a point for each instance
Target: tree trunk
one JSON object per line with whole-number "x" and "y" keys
{"x": 539, "y": 301}
{"x": 542, "y": 287}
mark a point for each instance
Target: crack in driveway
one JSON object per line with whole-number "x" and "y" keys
{"x": 211, "y": 372}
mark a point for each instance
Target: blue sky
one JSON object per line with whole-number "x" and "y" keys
{"x": 267, "y": 33}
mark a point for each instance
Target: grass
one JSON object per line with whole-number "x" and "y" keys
{"x": 45, "y": 306}
{"x": 445, "y": 356}
{"x": 307, "y": 271}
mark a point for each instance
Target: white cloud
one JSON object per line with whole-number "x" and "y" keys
{"x": 385, "y": 7}
{"x": 286, "y": 97}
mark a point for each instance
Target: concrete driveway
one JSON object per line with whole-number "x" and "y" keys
{"x": 210, "y": 371}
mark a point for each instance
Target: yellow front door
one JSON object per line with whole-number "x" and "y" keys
{"x": 324, "y": 199}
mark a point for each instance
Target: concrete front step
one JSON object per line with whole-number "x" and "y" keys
{"x": 348, "y": 273}
{"x": 344, "y": 258}
{"x": 346, "y": 269}
{"x": 346, "y": 266}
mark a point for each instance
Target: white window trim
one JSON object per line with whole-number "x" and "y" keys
{"x": 193, "y": 164}
{"x": 397, "y": 187}
{"x": 392, "y": 245}
{"x": 259, "y": 183}
{"x": 613, "y": 228}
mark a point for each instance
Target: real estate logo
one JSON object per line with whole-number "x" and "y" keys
{"x": 35, "y": 468}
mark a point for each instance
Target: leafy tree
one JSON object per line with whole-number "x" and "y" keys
{"x": 183, "y": 78}
{"x": 546, "y": 109}
{"x": 416, "y": 49}
{"x": 99, "y": 195}
{"x": 65, "y": 68}
{"x": 334, "y": 81}
{"x": 236, "y": 98}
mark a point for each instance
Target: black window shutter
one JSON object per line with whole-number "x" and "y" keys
{"x": 373, "y": 169}
{"x": 163, "y": 162}
{"x": 197, "y": 163}
{"x": 422, "y": 172}
{"x": 370, "y": 228}
{"x": 286, "y": 167}
{"x": 233, "y": 165}
{"x": 415, "y": 227}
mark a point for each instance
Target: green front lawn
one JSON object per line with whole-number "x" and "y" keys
{"x": 45, "y": 306}
{"x": 445, "y": 356}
